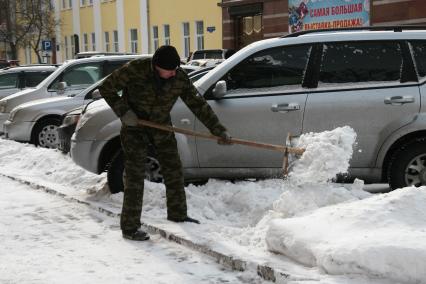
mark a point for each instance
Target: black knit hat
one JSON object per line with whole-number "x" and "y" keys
{"x": 166, "y": 57}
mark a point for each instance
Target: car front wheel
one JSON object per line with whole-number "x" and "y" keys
{"x": 46, "y": 133}
{"x": 115, "y": 174}
{"x": 408, "y": 165}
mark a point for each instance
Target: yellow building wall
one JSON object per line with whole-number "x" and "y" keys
{"x": 86, "y": 27}
{"x": 132, "y": 20}
{"x": 174, "y": 13}
{"x": 109, "y": 22}
{"x": 66, "y": 30}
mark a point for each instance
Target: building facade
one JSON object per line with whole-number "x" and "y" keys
{"x": 246, "y": 21}
{"x": 134, "y": 26}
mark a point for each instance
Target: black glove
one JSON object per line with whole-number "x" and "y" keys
{"x": 129, "y": 118}
{"x": 225, "y": 139}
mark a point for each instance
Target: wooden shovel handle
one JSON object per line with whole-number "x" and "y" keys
{"x": 279, "y": 148}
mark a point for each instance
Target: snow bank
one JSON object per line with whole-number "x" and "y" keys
{"x": 384, "y": 235}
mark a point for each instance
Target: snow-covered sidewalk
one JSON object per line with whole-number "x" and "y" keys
{"x": 309, "y": 229}
{"x": 45, "y": 239}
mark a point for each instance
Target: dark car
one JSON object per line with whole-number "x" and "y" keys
{"x": 66, "y": 129}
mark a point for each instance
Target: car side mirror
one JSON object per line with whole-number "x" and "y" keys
{"x": 96, "y": 95}
{"x": 219, "y": 91}
{"x": 61, "y": 88}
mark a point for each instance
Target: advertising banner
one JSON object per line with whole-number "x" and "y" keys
{"x": 327, "y": 14}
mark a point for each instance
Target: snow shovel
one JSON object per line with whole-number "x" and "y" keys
{"x": 279, "y": 148}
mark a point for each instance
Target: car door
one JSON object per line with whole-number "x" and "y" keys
{"x": 419, "y": 51}
{"x": 368, "y": 85}
{"x": 264, "y": 102}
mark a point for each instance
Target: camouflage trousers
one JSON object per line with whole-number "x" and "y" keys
{"x": 135, "y": 143}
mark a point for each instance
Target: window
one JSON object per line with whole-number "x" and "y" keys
{"x": 134, "y": 40}
{"x": 69, "y": 3}
{"x": 79, "y": 75}
{"x": 90, "y": 2}
{"x": 82, "y": 3}
{"x": 419, "y": 50}
{"x": 186, "y": 39}
{"x": 155, "y": 37}
{"x": 106, "y": 41}
{"x": 166, "y": 34}
{"x": 275, "y": 67}
{"x": 93, "y": 41}
{"x": 115, "y": 41}
{"x": 64, "y": 4}
{"x": 8, "y": 81}
{"x": 85, "y": 42}
{"x": 32, "y": 79}
{"x": 200, "y": 34}
{"x": 67, "y": 52}
{"x": 360, "y": 62}
{"x": 72, "y": 46}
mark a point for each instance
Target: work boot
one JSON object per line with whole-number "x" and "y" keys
{"x": 137, "y": 235}
{"x": 186, "y": 219}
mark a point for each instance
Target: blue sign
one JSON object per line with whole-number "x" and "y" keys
{"x": 211, "y": 29}
{"x": 46, "y": 45}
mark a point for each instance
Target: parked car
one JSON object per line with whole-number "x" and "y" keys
{"x": 69, "y": 79}
{"x": 37, "y": 121}
{"x": 70, "y": 119}
{"x": 67, "y": 128}
{"x": 8, "y": 63}
{"x": 15, "y": 79}
{"x": 371, "y": 78}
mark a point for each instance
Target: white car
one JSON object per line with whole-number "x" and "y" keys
{"x": 15, "y": 79}
{"x": 37, "y": 121}
{"x": 69, "y": 79}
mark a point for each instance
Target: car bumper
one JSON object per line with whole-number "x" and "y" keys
{"x": 3, "y": 117}
{"x": 85, "y": 154}
{"x": 18, "y": 130}
{"x": 64, "y": 134}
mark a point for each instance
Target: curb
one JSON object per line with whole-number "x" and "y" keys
{"x": 265, "y": 271}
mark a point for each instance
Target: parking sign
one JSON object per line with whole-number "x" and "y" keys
{"x": 46, "y": 45}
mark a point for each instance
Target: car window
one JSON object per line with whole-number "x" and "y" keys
{"x": 355, "y": 62}
{"x": 79, "y": 75}
{"x": 419, "y": 50}
{"x": 32, "y": 79}
{"x": 197, "y": 55}
{"x": 275, "y": 67}
{"x": 9, "y": 80}
{"x": 113, "y": 65}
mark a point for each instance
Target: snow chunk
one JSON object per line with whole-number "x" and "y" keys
{"x": 327, "y": 154}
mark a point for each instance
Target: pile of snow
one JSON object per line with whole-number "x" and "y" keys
{"x": 341, "y": 229}
{"x": 381, "y": 236}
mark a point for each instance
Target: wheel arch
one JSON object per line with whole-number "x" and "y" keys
{"x": 40, "y": 121}
{"x": 108, "y": 151}
{"x": 395, "y": 146}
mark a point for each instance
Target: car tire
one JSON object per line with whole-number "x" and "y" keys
{"x": 45, "y": 133}
{"x": 407, "y": 166}
{"x": 115, "y": 172}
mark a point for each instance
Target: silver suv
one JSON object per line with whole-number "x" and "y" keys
{"x": 372, "y": 79}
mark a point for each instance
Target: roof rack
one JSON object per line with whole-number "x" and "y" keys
{"x": 367, "y": 28}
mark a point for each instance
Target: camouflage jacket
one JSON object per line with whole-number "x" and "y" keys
{"x": 142, "y": 93}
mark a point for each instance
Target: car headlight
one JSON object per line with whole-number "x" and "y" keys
{"x": 13, "y": 114}
{"x": 3, "y": 105}
{"x": 71, "y": 119}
